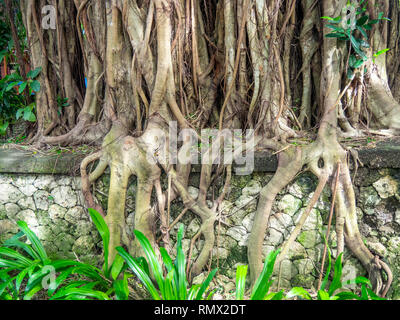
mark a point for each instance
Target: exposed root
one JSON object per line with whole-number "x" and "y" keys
{"x": 208, "y": 218}
{"x": 163, "y": 218}
{"x": 192, "y": 243}
{"x": 334, "y": 191}
{"x": 322, "y": 158}
{"x": 389, "y": 274}
{"x": 289, "y": 166}
{"x": 86, "y": 182}
{"x": 255, "y": 33}
{"x": 303, "y": 218}
{"x": 85, "y": 132}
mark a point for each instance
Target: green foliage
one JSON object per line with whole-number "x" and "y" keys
{"x": 241, "y": 272}
{"x": 12, "y": 87}
{"x": 354, "y": 30}
{"x": 13, "y": 104}
{"x": 104, "y": 233}
{"x": 10, "y": 102}
{"x": 336, "y": 289}
{"x": 26, "y": 271}
{"x": 61, "y": 103}
{"x": 5, "y": 38}
{"x": 26, "y": 262}
{"x": 172, "y": 286}
{"x": 263, "y": 282}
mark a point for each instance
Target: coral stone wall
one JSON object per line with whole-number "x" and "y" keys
{"x": 52, "y": 205}
{"x": 378, "y": 211}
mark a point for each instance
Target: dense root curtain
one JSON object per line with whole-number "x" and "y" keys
{"x": 261, "y": 65}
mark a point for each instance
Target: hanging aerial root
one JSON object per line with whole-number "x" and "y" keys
{"x": 207, "y": 216}
{"x": 321, "y": 185}
{"x": 289, "y": 165}
{"x": 334, "y": 190}
{"x": 385, "y": 267}
{"x": 86, "y": 181}
{"x": 346, "y": 204}
{"x": 161, "y": 199}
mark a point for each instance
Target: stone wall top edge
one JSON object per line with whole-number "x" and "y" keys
{"x": 14, "y": 161}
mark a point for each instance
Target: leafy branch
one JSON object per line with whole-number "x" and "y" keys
{"x": 354, "y": 29}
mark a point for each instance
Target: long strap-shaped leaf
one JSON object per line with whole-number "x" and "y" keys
{"x": 337, "y": 277}
{"x": 23, "y": 273}
{"x": 82, "y": 292}
{"x": 90, "y": 272}
{"x": 170, "y": 267}
{"x": 299, "y": 292}
{"x": 169, "y": 292}
{"x": 121, "y": 287}
{"x": 104, "y": 233}
{"x": 7, "y": 252}
{"x": 37, "y": 245}
{"x": 15, "y": 242}
{"x": 263, "y": 282}
{"x": 193, "y": 292}
{"x": 151, "y": 259}
{"x": 55, "y": 266}
{"x": 59, "y": 280}
{"x": 141, "y": 274}
{"x": 6, "y": 263}
{"x": 205, "y": 284}
{"x": 241, "y": 273}
{"x": 180, "y": 264}
{"x": 32, "y": 292}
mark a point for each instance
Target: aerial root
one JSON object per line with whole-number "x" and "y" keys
{"x": 192, "y": 243}
{"x": 334, "y": 190}
{"x": 163, "y": 218}
{"x": 289, "y": 165}
{"x": 321, "y": 185}
{"x": 344, "y": 205}
{"x": 385, "y": 267}
{"x": 86, "y": 181}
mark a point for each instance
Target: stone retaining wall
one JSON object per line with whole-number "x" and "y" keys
{"x": 52, "y": 205}
{"x": 52, "y": 208}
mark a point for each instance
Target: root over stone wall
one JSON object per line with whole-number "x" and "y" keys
{"x": 52, "y": 205}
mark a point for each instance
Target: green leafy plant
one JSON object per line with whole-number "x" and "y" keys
{"x": 13, "y": 104}
{"x": 263, "y": 282}
{"x": 336, "y": 289}
{"x": 116, "y": 271}
{"x": 355, "y": 31}
{"x": 26, "y": 270}
{"x": 28, "y": 262}
{"x": 33, "y": 86}
{"x": 10, "y": 101}
{"x": 172, "y": 286}
{"x": 61, "y": 103}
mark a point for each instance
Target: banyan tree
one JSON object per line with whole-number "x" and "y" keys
{"x": 301, "y": 76}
